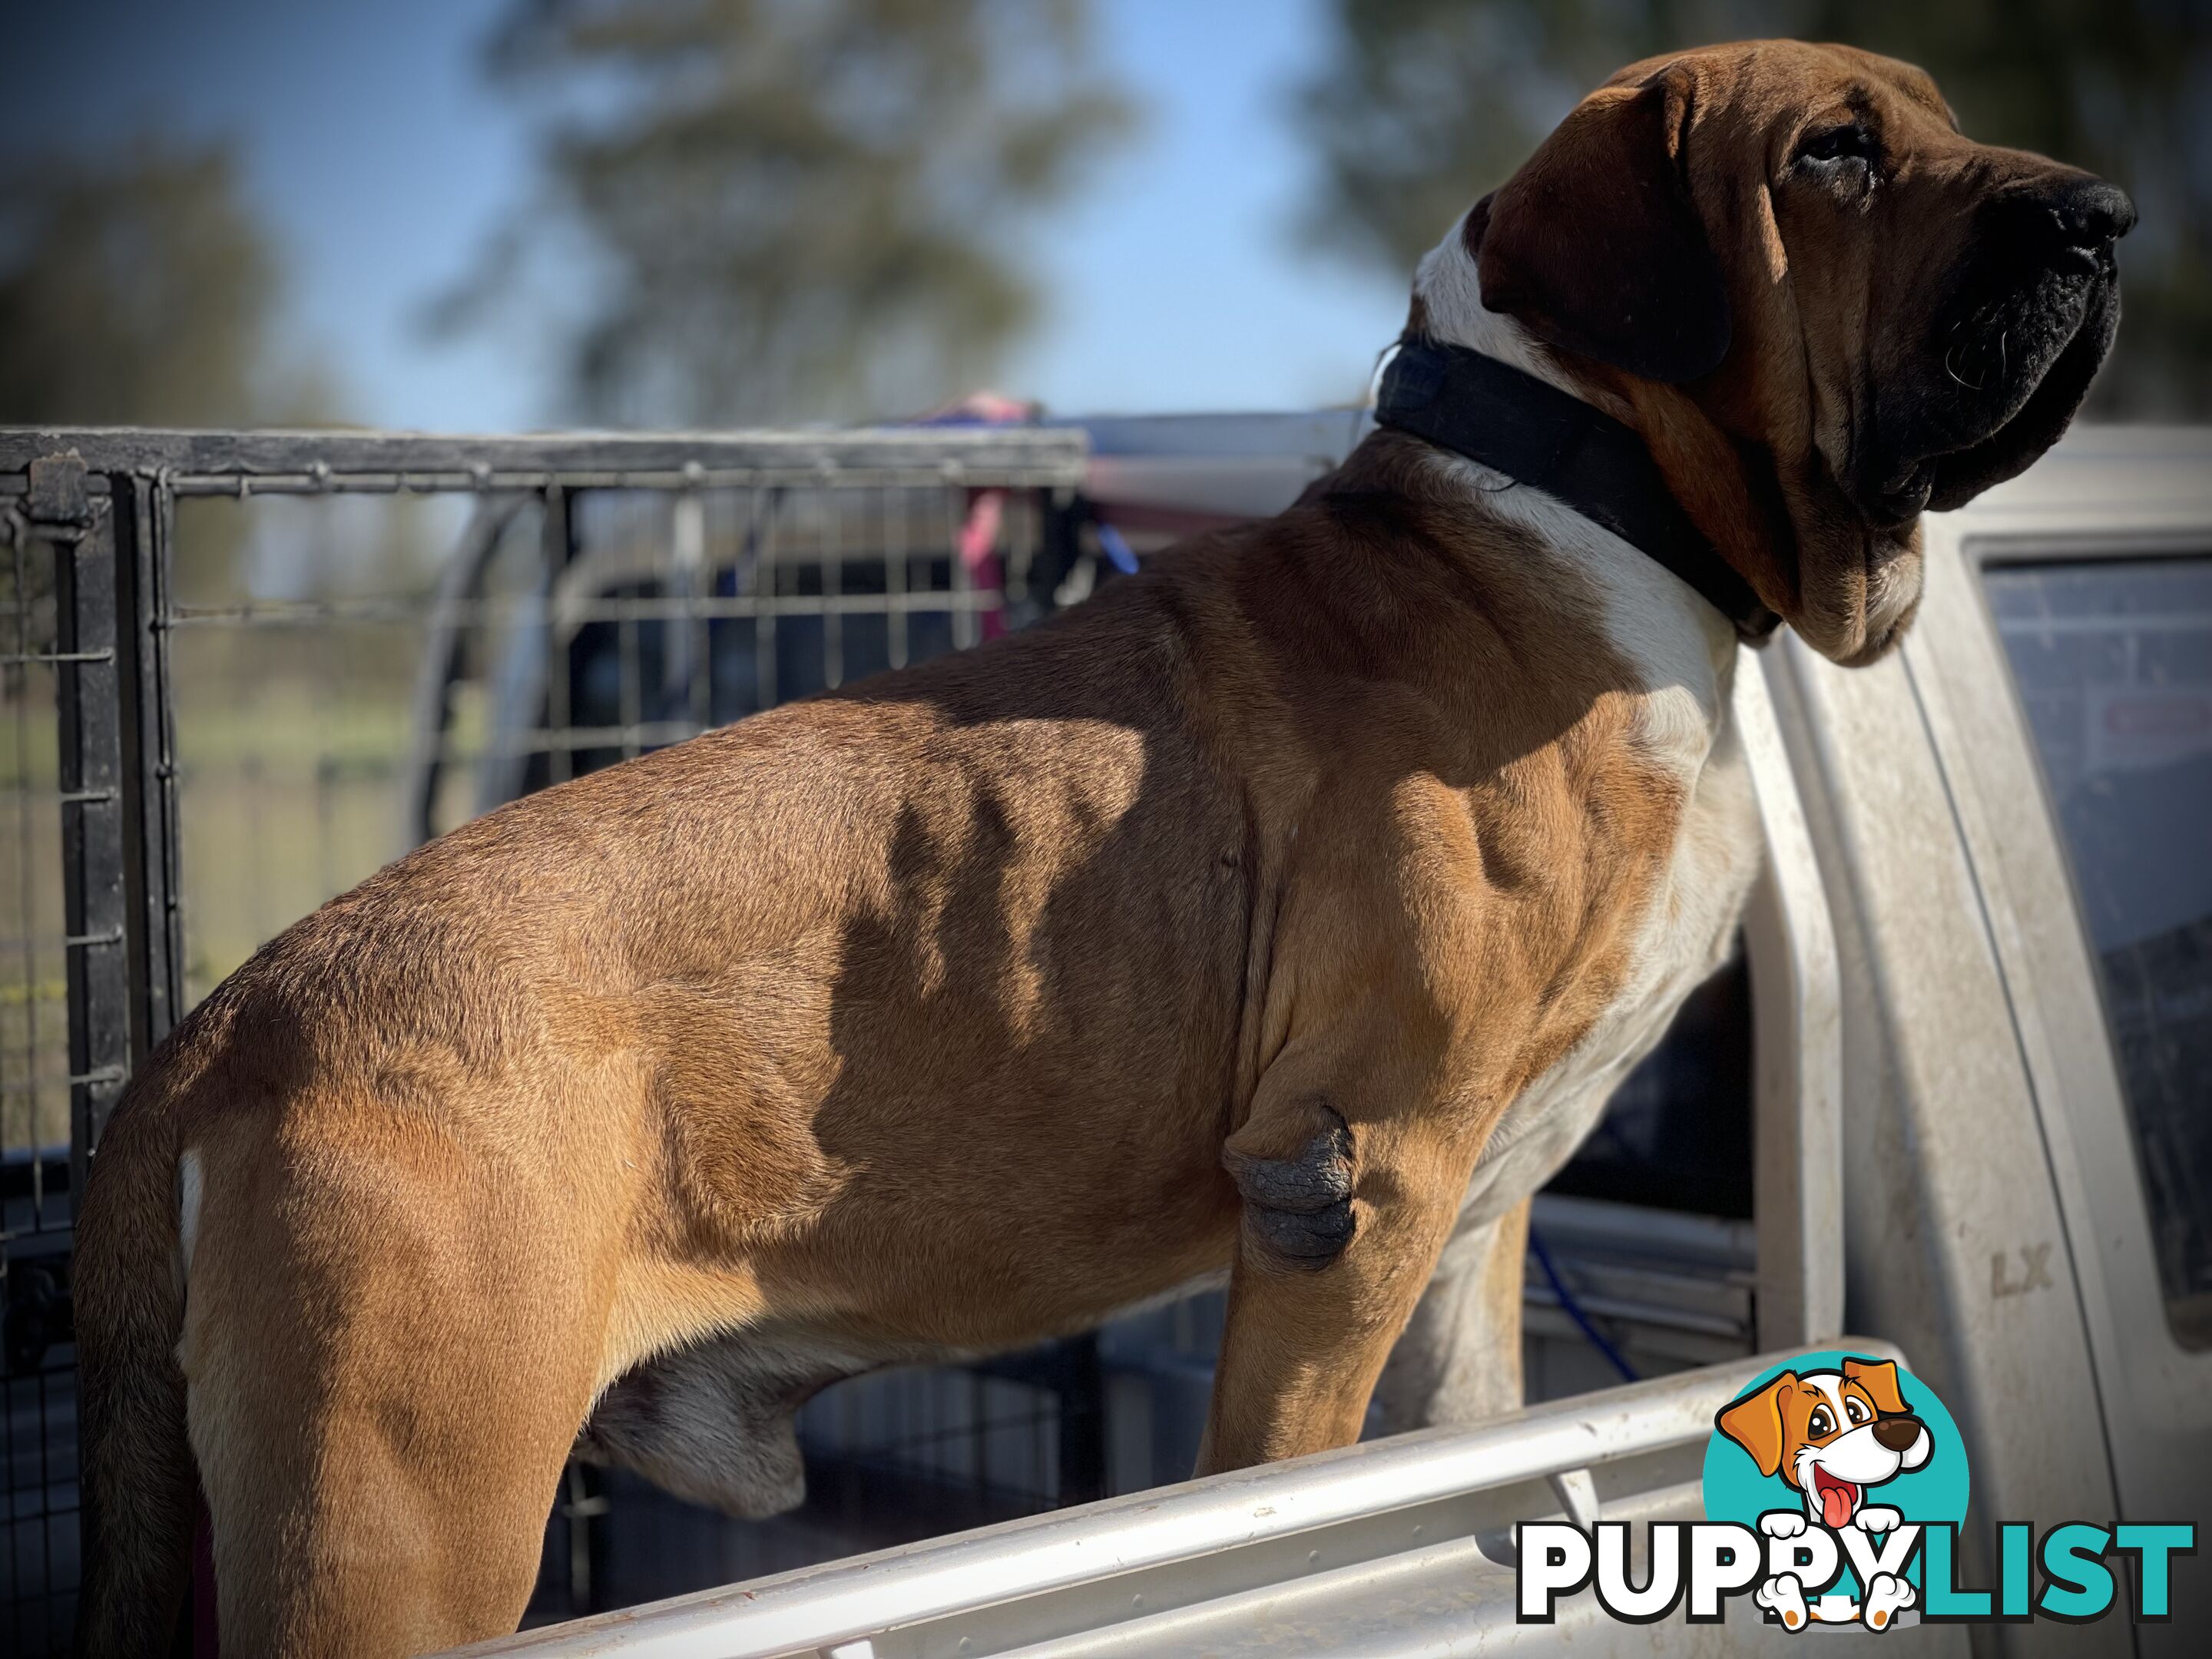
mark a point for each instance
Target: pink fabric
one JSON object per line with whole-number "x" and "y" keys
{"x": 979, "y": 542}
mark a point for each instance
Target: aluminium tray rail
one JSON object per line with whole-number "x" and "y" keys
{"x": 1403, "y": 1545}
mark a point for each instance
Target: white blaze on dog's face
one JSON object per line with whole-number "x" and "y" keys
{"x": 1830, "y": 1434}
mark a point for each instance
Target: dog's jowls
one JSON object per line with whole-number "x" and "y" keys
{"x": 1286, "y": 911}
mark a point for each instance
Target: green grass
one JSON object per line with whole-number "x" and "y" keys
{"x": 289, "y": 792}
{"x": 284, "y": 800}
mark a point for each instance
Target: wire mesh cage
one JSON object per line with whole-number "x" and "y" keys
{"x": 359, "y": 673}
{"x": 244, "y": 671}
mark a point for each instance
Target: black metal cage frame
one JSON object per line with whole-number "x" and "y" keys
{"x": 89, "y": 523}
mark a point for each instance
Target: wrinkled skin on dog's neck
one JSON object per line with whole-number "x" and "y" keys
{"x": 1823, "y": 309}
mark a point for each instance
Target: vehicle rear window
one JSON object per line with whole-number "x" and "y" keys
{"x": 2114, "y": 664}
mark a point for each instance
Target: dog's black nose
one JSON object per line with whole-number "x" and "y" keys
{"x": 1897, "y": 1433}
{"x": 2090, "y": 213}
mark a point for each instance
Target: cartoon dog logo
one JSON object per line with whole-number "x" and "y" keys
{"x": 1834, "y": 1436}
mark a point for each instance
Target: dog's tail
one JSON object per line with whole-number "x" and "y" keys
{"x": 139, "y": 1489}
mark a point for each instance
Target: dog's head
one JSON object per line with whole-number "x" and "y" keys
{"x": 1830, "y": 1434}
{"x": 1825, "y": 308}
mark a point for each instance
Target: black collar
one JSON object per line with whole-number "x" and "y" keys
{"x": 1552, "y": 440}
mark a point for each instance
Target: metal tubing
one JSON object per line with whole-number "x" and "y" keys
{"x": 80, "y": 529}
{"x": 145, "y": 540}
{"x": 248, "y": 463}
{"x": 461, "y": 575}
{"x": 866, "y": 1596}
{"x": 1796, "y": 1043}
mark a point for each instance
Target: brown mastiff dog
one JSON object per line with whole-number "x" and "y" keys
{"x": 1279, "y": 911}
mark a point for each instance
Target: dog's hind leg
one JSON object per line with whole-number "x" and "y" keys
{"x": 388, "y": 1346}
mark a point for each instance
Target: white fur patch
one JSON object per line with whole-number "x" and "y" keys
{"x": 1451, "y": 293}
{"x": 1684, "y": 651}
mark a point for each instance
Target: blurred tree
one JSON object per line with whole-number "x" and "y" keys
{"x": 1424, "y": 104}
{"x": 790, "y": 208}
{"x": 137, "y": 287}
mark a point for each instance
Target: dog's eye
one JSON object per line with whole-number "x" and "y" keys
{"x": 1855, "y": 1410}
{"x": 1820, "y": 1424}
{"x": 1845, "y": 144}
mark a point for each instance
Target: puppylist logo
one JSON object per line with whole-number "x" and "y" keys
{"x": 1835, "y": 1490}
{"x": 1826, "y": 1459}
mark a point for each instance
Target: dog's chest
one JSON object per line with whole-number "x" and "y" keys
{"x": 1684, "y": 936}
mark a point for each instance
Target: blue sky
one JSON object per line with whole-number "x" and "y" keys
{"x": 380, "y": 160}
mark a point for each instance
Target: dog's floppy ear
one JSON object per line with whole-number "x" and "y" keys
{"x": 1879, "y": 1379}
{"x": 1755, "y": 1422}
{"x": 1594, "y": 245}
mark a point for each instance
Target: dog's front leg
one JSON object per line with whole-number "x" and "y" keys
{"x": 1346, "y": 1205}
{"x": 1458, "y": 1361}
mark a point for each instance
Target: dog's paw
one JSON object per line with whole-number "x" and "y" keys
{"x": 1874, "y": 1517}
{"x": 1885, "y": 1597}
{"x": 1784, "y": 1597}
{"x": 1782, "y": 1523}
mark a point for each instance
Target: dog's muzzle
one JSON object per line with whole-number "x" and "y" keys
{"x": 2009, "y": 355}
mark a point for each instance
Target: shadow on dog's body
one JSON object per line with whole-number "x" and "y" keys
{"x": 1216, "y": 925}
